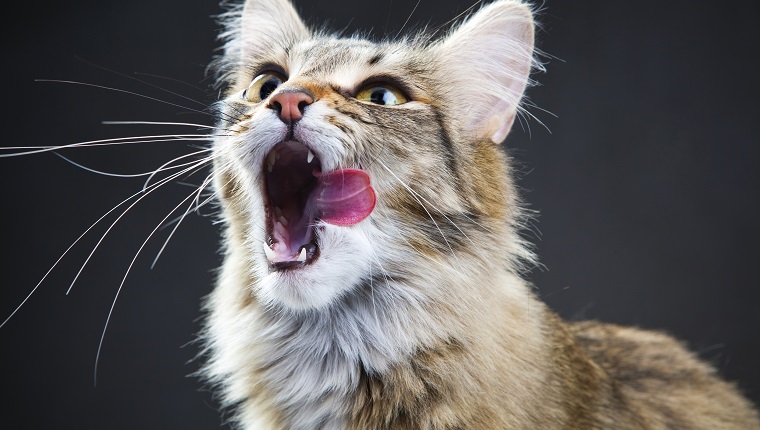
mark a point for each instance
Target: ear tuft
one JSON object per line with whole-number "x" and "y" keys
{"x": 487, "y": 61}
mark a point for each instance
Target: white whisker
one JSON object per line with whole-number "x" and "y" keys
{"x": 461, "y": 14}
{"x": 103, "y": 87}
{"x": 421, "y": 205}
{"x": 123, "y": 175}
{"x": 168, "y": 163}
{"x": 182, "y": 218}
{"x": 124, "y": 279}
{"x": 189, "y": 85}
{"x": 186, "y": 124}
{"x": 145, "y": 194}
{"x": 78, "y": 239}
{"x": 475, "y": 246}
{"x": 31, "y": 150}
{"x": 142, "y": 82}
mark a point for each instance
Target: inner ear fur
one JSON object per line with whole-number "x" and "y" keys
{"x": 486, "y": 62}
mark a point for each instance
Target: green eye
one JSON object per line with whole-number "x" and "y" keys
{"x": 385, "y": 95}
{"x": 262, "y": 87}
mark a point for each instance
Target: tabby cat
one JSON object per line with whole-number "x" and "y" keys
{"x": 372, "y": 257}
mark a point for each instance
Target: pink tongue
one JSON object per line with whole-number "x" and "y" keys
{"x": 343, "y": 197}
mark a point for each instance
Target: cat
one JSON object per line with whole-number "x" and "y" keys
{"x": 372, "y": 272}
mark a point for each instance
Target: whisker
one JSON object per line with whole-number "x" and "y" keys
{"x": 164, "y": 166}
{"x": 118, "y": 90}
{"x": 124, "y": 75}
{"x": 422, "y": 205}
{"x": 440, "y": 212}
{"x": 189, "y": 124}
{"x": 91, "y": 170}
{"x": 121, "y": 285}
{"x": 443, "y": 214}
{"x": 145, "y": 194}
{"x": 458, "y": 16}
{"x": 208, "y": 181}
{"x": 179, "y": 81}
{"x": 31, "y": 150}
{"x": 78, "y": 239}
{"x": 124, "y": 175}
{"x": 182, "y": 218}
{"x": 196, "y": 207}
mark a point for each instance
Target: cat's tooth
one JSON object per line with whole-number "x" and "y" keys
{"x": 309, "y": 157}
{"x": 282, "y": 220}
{"x": 302, "y": 255}
{"x": 278, "y": 211}
{"x": 268, "y": 251}
{"x": 271, "y": 158}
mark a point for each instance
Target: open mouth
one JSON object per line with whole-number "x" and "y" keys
{"x": 290, "y": 177}
{"x": 298, "y": 194}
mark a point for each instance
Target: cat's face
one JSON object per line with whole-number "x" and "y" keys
{"x": 405, "y": 127}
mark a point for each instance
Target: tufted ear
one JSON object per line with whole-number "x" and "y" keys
{"x": 256, "y": 30}
{"x": 269, "y": 23}
{"x": 487, "y": 60}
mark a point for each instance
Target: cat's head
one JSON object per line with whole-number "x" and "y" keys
{"x": 345, "y": 165}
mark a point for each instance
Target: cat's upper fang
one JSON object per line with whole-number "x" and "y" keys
{"x": 290, "y": 177}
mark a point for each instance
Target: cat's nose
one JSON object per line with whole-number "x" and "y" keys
{"x": 290, "y": 105}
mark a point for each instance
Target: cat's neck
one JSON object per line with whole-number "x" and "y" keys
{"x": 314, "y": 365}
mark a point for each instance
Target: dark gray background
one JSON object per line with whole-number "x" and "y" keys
{"x": 646, "y": 187}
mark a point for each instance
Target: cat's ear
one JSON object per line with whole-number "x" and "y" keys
{"x": 487, "y": 62}
{"x": 271, "y": 22}
{"x": 253, "y": 31}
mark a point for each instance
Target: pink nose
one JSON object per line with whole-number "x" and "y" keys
{"x": 290, "y": 105}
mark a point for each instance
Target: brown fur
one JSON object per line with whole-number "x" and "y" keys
{"x": 486, "y": 354}
{"x": 602, "y": 377}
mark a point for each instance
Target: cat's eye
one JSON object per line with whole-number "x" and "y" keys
{"x": 262, "y": 86}
{"x": 385, "y": 95}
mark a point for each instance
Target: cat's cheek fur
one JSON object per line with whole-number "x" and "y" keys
{"x": 415, "y": 318}
{"x": 345, "y": 255}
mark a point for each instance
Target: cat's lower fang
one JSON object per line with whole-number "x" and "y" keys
{"x": 269, "y": 253}
{"x": 280, "y": 258}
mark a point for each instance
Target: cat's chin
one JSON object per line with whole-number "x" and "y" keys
{"x": 344, "y": 261}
